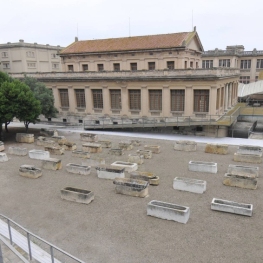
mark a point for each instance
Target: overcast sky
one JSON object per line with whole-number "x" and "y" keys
{"x": 219, "y": 22}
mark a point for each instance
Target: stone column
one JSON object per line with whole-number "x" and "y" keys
{"x": 124, "y": 100}
{"x": 226, "y": 97}
{"x": 144, "y": 101}
{"x": 189, "y": 101}
{"x": 57, "y": 102}
{"x": 88, "y": 98}
{"x": 72, "y": 99}
{"x": 166, "y": 101}
{"x": 212, "y": 100}
{"x": 230, "y": 95}
{"x": 106, "y": 100}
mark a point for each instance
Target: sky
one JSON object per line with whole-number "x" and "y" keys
{"x": 56, "y": 22}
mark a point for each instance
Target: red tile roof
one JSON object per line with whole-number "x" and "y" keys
{"x": 128, "y": 43}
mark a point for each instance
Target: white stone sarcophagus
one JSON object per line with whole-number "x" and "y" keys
{"x": 17, "y": 151}
{"x": 109, "y": 172}
{"x": 30, "y": 171}
{"x": 145, "y": 176}
{"x": 129, "y": 167}
{"x": 39, "y": 154}
{"x": 78, "y": 169}
{"x": 186, "y": 146}
{"x": 189, "y": 185}
{"x": 77, "y": 195}
{"x": 206, "y": 167}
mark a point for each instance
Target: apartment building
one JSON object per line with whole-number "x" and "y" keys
{"x": 250, "y": 63}
{"x": 26, "y": 57}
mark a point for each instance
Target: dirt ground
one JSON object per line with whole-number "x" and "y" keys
{"x": 115, "y": 228}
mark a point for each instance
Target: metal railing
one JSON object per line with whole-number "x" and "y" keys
{"x": 29, "y": 236}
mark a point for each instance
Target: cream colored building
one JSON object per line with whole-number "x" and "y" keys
{"x": 250, "y": 63}
{"x": 27, "y": 57}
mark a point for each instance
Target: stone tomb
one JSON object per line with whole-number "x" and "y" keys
{"x": 105, "y": 144}
{"x": 241, "y": 181}
{"x": 186, "y": 146}
{"x": 68, "y": 146}
{"x": 231, "y": 207}
{"x": 129, "y": 167}
{"x": 25, "y": 137}
{"x": 247, "y": 158}
{"x": 243, "y": 170}
{"x": 189, "y": 185}
{"x": 249, "y": 149}
{"x": 78, "y": 169}
{"x": 117, "y": 152}
{"x": 3, "y": 157}
{"x": 17, "y": 151}
{"x": 168, "y": 211}
{"x": 30, "y": 171}
{"x": 126, "y": 146}
{"x": 38, "y": 154}
{"x": 52, "y": 164}
{"x": 147, "y": 154}
{"x": 110, "y": 172}
{"x": 145, "y": 176}
{"x": 153, "y": 148}
{"x": 54, "y": 150}
{"x": 43, "y": 141}
{"x": 136, "y": 142}
{"x": 91, "y": 147}
{"x": 216, "y": 148}
{"x": 81, "y": 154}
{"x": 132, "y": 187}
{"x": 134, "y": 158}
{"x": 59, "y": 139}
{"x": 88, "y": 137}
{"x": 206, "y": 167}
{"x": 48, "y": 132}
{"x": 2, "y": 146}
{"x": 77, "y": 195}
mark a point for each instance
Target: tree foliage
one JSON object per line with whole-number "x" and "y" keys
{"x": 44, "y": 95}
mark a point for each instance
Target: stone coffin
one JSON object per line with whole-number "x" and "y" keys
{"x": 189, "y": 185}
{"x": 17, "y": 151}
{"x": 168, "y": 211}
{"x": 91, "y": 147}
{"x": 54, "y": 150}
{"x": 241, "y": 181}
{"x": 129, "y": 167}
{"x": 3, "y": 157}
{"x": 206, "y": 167}
{"x": 68, "y": 146}
{"x": 105, "y": 144}
{"x": 94, "y": 162}
{"x": 136, "y": 142}
{"x": 52, "y": 164}
{"x": 30, "y": 171}
{"x": 134, "y": 158}
{"x": 249, "y": 149}
{"x": 81, "y": 154}
{"x": 132, "y": 187}
{"x": 38, "y": 154}
{"x": 88, "y": 137}
{"x": 231, "y": 207}
{"x": 126, "y": 146}
{"x": 25, "y": 137}
{"x": 153, "y": 148}
{"x": 186, "y": 146}
{"x": 117, "y": 152}
{"x": 77, "y": 195}
{"x": 78, "y": 169}
{"x": 216, "y": 148}
{"x": 110, "y": 172}
{"x": 145, "y": 176}
{"x": 48, "y": 132}
{"x": 247, "y": 158}
{"x": 43, "y": 141}
{"x": 147, "y": 154}
{"x": 2, "y": 146}
{"x": 59, "y": 139}
{"x": 243, "y": 170}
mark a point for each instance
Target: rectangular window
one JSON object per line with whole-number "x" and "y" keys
{"x": 155, "y": 99}
{"x": 207, "y": 64}
{"x": 170, "y": 64}
{"x": 6, "y": 65}
{"x": 115, "y": 97}
{"x": 201, "y": 100}
{"x": 53, "y": 55}
{"x": 100, "y": 67}
{"x": 31, "y": 65}
{"x": 97, "y": 98}
{"x": 196, "y": 65}
{"x": 245, "y": 64}
{"x": 116, "y": 67}
{"x": 64, "y": 101}
{"x": 185, "y": 64}
{"x": 151, "y": 65}
{"x": 217, "y": 98}
{"x": 259, "y": 63}
{"x": 85, "y": 67}
{"x": 70, "y": 68}
{"x": 225, "y": 63}
{"x": 191, "y": 64}
{"x": 30, "y": 54}
{"x": 133, "y": 66}
{"x": 55, "y": 65}
{"x": 4, "y": 54}
{"x": 244, "y": 79}
{"x": 177, "y": 100}
{"x": 135, "y": 99}
{"x": 80, "y": 98}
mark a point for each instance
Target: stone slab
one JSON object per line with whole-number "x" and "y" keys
{"x": 68, "y": 146}
{"x": 126, "y": 146}
{"x": 59, "y": 139}
{"x": 249, "y": 149}
{"x": 43, "y": 141}
{"x": 48, "y": 132}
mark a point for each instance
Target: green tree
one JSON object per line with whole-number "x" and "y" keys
{"x": 44, "y": 95}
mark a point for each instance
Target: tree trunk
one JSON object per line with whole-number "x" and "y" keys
{"x": 1, "y": 132}
{"x": 6, "y": 123}
{"x": 26, "y": 123}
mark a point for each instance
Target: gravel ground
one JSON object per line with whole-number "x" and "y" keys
{"x": 115, "y": 228}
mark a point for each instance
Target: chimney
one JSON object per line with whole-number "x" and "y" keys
{"x": 76, "y": 39}
{"x": 194, "y": 28}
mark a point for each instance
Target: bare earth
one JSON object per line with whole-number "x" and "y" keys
{"x": 115, "y": 228}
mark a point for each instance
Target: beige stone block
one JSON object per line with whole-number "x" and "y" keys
{"x": 153, "y": 148}
{"x": 216, "y": 148}
{"x": 134, "y": 158}
{"x": 68, "y": 146}
{"x": 105, "y": 144}
{"x": 43, "y": 141}
{"x": 25, "y": 137}
{"x": 247, "y": 158}
{"x": 81, "y": 154}
{"x": 145, "y": 176}
{"x": 117, "y": 152}
{"x": 54, "y": 150}
{"x": 91, "y": 147}
{"x": 30, "y": 171}
{"x": 247, "y": 182}
{"x": 126, "y": 146}
{"x": 88, "y": 137}
{"x": 186, "y": 146}
{"x": 51, "y": 164}
{"x": 59, "y": 139}
{"x": 147, "y": 154}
